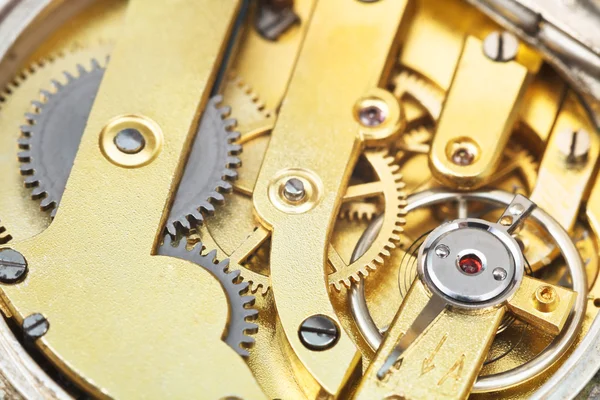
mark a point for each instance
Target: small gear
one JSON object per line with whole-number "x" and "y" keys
{"x": 51, "y": 137}
{"x": 359, "y": 211}
{"x": 428, "y": 95}
{"x": 239, "y": 326}
{"x": 388, "y": 237}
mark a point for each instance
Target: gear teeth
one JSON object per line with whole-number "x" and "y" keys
{"x": 27, "y": 170}
{"x": 388, "y": 238}
{"x": 95, "y": 64}
{"x": 233, "y": 162}
{"x": 24, "y": 156}
{"x": 225, "y": 187}
{"x": 47, "y": 203}
{"x": 5, "y": 237}
{"x": 239, "y": 325}
{"x": 81, "y": 70}
{"x": 57, "y": 85}
{"x": 45, "y": 94}
{"x": 216, "y": 197}
{"x": 234, "y": 150}
{"x": 37, "y": 193}
{"x": 69, "y": 76}
{"x": 26, "y": 131}
{"x": 31, "y": 118}
{"x": 233, "y": 136}
{"x": 222, "y": 125}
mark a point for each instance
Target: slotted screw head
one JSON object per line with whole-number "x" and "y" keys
{"x": 13, "y": 266}
{"x": 293, "y": 190}
{"x": 318, "y": 332}
{"x": 35, "y": 326}
{"x": 501, "y": 46}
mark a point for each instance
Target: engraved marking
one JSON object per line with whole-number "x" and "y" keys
{"x": 454, "y": 372}
{"x": 428, "y": 364}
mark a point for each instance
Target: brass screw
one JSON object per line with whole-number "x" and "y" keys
{"x": 545, "y": 298}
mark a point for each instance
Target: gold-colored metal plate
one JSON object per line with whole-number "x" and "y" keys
{"x": 557, "y": 174}
{"x": 317, "y": 115}
{"x": 118, "y": 314}
{"x": 442, "y": 363}
{"x": 542, "y": 304}
{"x": 477, "y": 118}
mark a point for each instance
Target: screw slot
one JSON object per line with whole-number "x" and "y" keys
{"x": 13, "y": 266}
{"x": 293, "y": 190}
{"x": 35, "y": 326}
{"x": 319, "y": 333}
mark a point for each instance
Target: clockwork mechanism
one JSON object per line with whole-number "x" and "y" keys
{"x": 299, "y": 199}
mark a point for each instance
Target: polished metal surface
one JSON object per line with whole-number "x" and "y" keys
{"x": 546, "y": 358}
{"x": 490, "y": 244}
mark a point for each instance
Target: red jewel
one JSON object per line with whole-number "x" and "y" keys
{"x": 470, "y": 264}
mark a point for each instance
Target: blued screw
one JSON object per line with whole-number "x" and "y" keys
{"x": 13, "y": 266}
{"x": 319, "y": 332}
{"x": 35, "y": 326}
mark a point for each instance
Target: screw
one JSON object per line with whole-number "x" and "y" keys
{"x": 35, "y": 326}
{"x": 499, "y": 274}
{"x": 319, "y": 332}
{"x": 574, "y": 145}
{"x": 130, "y": 141}
{"x": 501, "y": 47}
{"x": 371, "y": 115}
{"x": 462, "y": 156}
{"x": 13, "y": 266}
{"x": 442, "y": 251}
{"x": 545, "y": 298}
{"x": 293, "y": 190}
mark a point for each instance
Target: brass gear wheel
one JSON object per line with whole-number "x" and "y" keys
{"x": 255, "y": 123}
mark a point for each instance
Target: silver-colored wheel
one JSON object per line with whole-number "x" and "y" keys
{"x": 546, "y": 358}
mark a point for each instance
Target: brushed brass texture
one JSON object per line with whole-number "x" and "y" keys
{"x": 477, "y": 118}
{"x": 73, "y": 274}
{"x": 459, "y": 341}
{"x": 270, "y": 75}
{"x": 336, "y": 147}
{"x": 557, "y": 174}
{"x": 442, "y": 363}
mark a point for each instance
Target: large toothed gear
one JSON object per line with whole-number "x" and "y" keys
{"x": 389, "y": 235}
{"x": 51, "y": 137}
{"x": 209, "y": 170}
{"x": 239, "y": 325}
